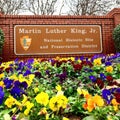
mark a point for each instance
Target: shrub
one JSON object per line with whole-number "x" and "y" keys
{"x": 1, "y": 40}
{"x": 116, "y": 37}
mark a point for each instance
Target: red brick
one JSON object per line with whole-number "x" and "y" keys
{"x": 107, "y": 24}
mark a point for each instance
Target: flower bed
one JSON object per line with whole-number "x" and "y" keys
{"x": 61, "y": 88}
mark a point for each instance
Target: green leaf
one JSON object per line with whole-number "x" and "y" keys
{"x": 7, "y": 117}
{"x": 22, "y": 117}
{"x": 5, "y": 112}
{"x": 89, "y": 118}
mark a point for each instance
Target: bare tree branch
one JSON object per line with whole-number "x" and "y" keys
{"x": 41, "y": 7}
{"x": 11, "y": 6}
{"x": 89, "y": 7}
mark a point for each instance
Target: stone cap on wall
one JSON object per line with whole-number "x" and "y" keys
{"x": 114, "y": 11}
{"x": 55, "y": 16}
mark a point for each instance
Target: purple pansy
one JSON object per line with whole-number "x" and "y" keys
{"x": 8, "y": 83}
{"x": 107, "y": 95}
{"x": 1, "y": 95}
{"x": 92, "y": 78}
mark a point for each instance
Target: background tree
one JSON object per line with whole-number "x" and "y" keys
{"x": 1, "y": 42}
{"x": 41, "y": 7}
{"x": 11, "y": 6}
{"x": 58, "y": 7}
{"x": 89, "y": 7}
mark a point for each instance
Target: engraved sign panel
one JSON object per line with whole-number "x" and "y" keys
{"x": 57, "y": 39}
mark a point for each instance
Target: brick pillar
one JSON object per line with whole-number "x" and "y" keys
{"x": 1, "y": 14}
{"x": 117, "y": 19}
{"x": 115, "y": 13}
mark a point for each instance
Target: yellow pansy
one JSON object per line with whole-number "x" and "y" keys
{"x": 30, "y": 79}
{"x": 82, "y": 92}
{"x": 72, "y": 58}
{"x": 36, "y": 63}
{"x": 29, "y": 106}
{"x": 24, "y": 99}
{"x": 57, "y": 102}
{"x": 98, "y": 100}
{"x": 43, "y": 111}
{"x": 63, "y": 100}
{"x": 2, "y": 84}
{"x": 18, "y": 103}
{"x": 36, "y": 89}
{"x": 1, "y": 75}
{"x": 14, "y": 109}
{"x": 57, "y": 58}
{"x": 21, "y": 78}
{"x": 64, "y": 118}
{"x": 42, "y": 98}
{"x": 10, "y": 101}
{"x": 26, "y": 112}
{"x": 58, "y": 88}
{"x": 14, "y": 77}
{"x": 97, "y": 61}
{"x": 53, "y": 104}
{"x": 115, "y": 104}
{"x": 6, "y": 64}
{"x": 79, "y": 61}
{"x": 21, "y": 104}
{"x": 90, "y": 104}
{"x": 109, "y": 69}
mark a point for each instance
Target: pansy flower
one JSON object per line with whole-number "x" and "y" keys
{"x": 92, "y": 78}
{"x": 30, "y": 61}
{"x": 97, "y": 61}
{"x": 1, "y": 95}
{"x": 8, "y": 83}
{"x": 76, "y": 58}
{"x": 102, "y": 76}
{"x": 109, "y": 69}
{"x": 20, "y": 66}
{"x": 117, "y": 94}
{"x": 117, "y": 97}
{"x": 18, "y": 89}
{"x": 27, "y": 72}
{"x": 62, "y": 76}
{"x": 20, "y": 84}
{"x": 108, "y": 63}
{"x": 38, "y": 74}
{"x": 77, "y": 67}
{"x": 100, "y": 83}
{"x": 82, "y": 58}
{"x": 86, "y": 63}
{"x": 16, "y": 92}
{"x": 9, "y": 69}
{"x": 106, "y": 94}
{"x": 109, "y": 78}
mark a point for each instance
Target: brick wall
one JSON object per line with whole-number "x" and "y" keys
{"x": 107, "y": 23}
